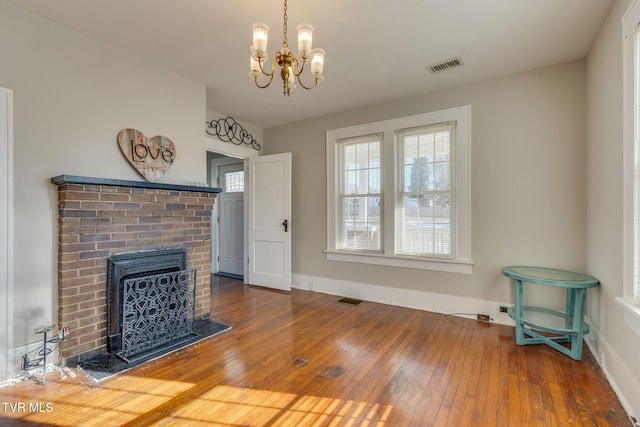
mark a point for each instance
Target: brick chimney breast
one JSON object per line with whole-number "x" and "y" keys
{"x": 99, "y": 218}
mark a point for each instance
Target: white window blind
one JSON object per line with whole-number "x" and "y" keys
{"x": 360, "y": 193}
{"x": 425, "y": 197}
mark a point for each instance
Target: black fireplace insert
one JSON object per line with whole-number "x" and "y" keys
{"x": 126, "y": 266}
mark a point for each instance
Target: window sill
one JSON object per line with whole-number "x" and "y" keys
{"x": 631, "y": 314}
{"x": 449, "y": 266}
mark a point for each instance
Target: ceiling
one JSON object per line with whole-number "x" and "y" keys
{"x": 376, "y": 50}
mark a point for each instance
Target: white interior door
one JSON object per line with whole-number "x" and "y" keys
{"x": 231, "y": 212}
{"x": 269, "y": 196}
{"x": 6, "y": 232}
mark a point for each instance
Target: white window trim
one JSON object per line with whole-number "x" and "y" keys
{"x": 462, "y": 262}
{"x": 630, "y": 300}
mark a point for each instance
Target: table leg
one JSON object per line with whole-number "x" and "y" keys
{"x": 569, "y": 310}
{"x": 519, "y": 311}
{"x": 579, "y": 298}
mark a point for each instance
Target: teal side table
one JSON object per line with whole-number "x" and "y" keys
{"x": 572, "y": 328}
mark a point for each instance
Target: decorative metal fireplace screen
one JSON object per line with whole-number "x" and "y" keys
{"x": 157, "y": 310}
{"x": 129, "y": 266}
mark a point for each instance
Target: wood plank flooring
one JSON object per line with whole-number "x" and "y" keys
{"x": 302, "y": 359}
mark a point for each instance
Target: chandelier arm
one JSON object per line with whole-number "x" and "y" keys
{"x": 270, "y": 75}
{"x": 263, "y": 86}
{"x": 315, "y": 83}
{"x": 296, "y": 66}
{"x": 273, "y": 67}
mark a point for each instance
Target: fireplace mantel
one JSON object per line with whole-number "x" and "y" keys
{"x": 72, "y": 179}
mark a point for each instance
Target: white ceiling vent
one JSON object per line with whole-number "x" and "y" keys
{"x": 445, "y": 65}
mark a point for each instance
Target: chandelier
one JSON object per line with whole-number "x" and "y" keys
{"x": 291, "y": 66}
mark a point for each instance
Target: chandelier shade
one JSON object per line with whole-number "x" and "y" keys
{"x": 291, "y": 66}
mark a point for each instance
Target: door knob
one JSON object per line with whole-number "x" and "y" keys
{"x": 286, "y": 225}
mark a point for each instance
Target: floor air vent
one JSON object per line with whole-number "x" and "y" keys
{"x": 445, "y": 65}
{"x": 351, "y": 301}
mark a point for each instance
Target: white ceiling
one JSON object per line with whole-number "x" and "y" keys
{"x": 376, "y": 50}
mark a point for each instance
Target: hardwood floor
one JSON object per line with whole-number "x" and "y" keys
{"x": 302, "y": 358}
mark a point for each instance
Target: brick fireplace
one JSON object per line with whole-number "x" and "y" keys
{"x": 99, "y": 218}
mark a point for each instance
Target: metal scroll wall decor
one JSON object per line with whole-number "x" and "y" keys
{"x": 228, "y": 130}
{"x": 150, "y": 157}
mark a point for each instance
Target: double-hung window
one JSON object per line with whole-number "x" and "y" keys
{"x": 630, "y": 299}
{"x": 423, "y": 219}
{"x": 399, "y": 192}
{"x": 360, "y": 193}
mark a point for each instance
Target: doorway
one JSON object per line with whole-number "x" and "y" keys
{"x": 231, "y": 221}
{"x": 265, "y": 208}
{"x": 227, "y": 225}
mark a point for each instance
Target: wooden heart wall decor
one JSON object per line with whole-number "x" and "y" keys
{"x": 151, "y": 157}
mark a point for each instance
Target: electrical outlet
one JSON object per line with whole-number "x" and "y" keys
{"x": 483, "y": 318}
{"x": 503, "y": 309}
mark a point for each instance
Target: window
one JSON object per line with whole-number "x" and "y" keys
{"x": 360, "y": 194}
{"x": 631, "y": 173}
{"x": 234, "y": 182}
{"x": 634, "y": 165}
{"x": 423, "y": 223}
{"x": 399, "y": 192}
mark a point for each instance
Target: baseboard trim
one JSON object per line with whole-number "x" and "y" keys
{"x": 427, "y": 301}
{"x": 624, "y": 384}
